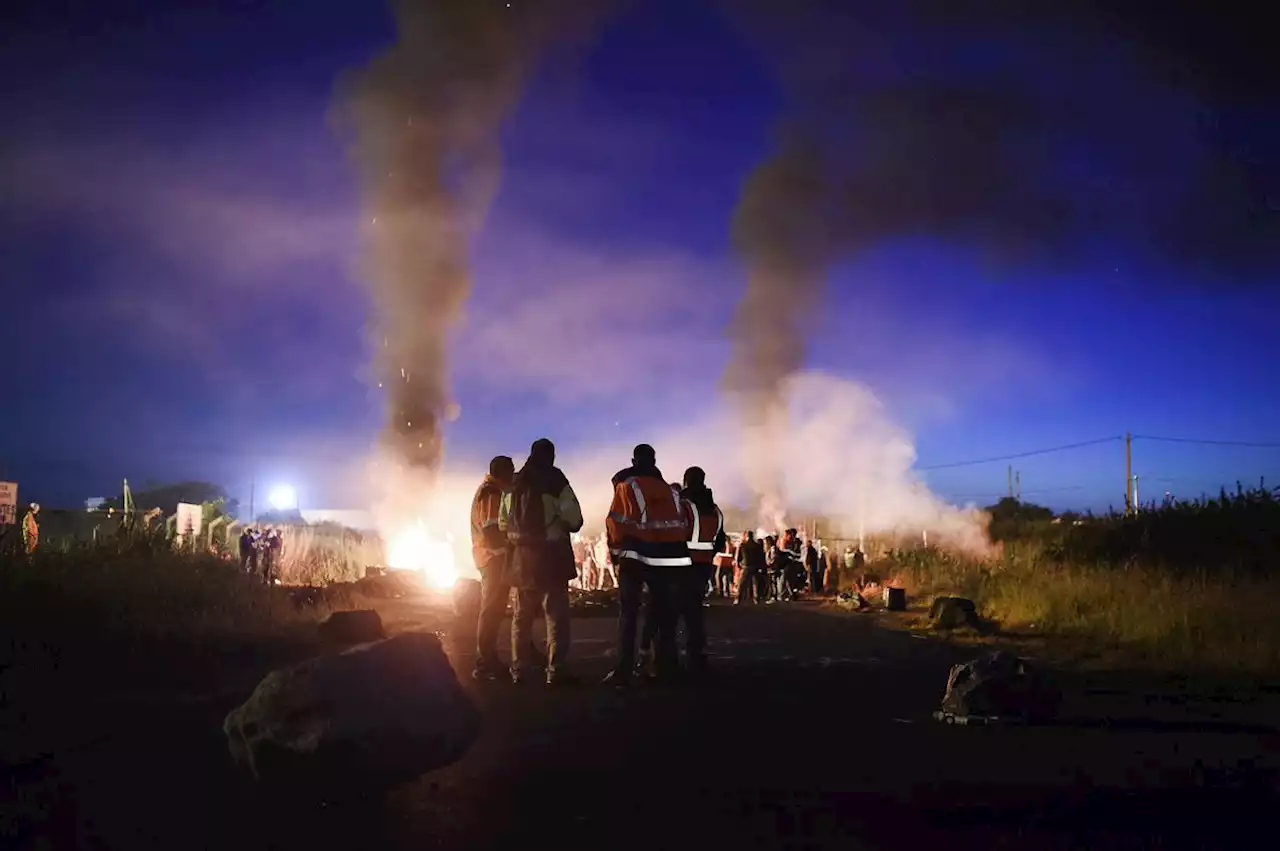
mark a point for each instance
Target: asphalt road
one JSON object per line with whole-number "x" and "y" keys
{"x": 815, "y": 733}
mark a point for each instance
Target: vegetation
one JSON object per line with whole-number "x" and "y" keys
{"x": 1185, "y": 583}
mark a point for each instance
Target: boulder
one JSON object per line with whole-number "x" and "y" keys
{"x": 358, "y": 721}
{"x": 358, "y": 626}
{"x": 998, "y": 685}
{"x": 953, "y": 613}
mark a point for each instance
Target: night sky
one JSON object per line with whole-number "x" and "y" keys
{"x": 178, "y": 227}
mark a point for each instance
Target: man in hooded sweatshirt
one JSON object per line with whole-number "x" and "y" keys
{"x": 538, "y": 515}
{"x": 648, "y": 541}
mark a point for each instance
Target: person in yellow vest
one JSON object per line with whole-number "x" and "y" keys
{"x": 31, "y": 528}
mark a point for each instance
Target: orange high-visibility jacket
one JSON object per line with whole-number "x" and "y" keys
{"x": 487, "y": 540}
{"x": 648, "y": 523}
{"x": 704, "y": 532}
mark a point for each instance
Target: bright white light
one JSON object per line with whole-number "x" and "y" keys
{"x": 417, "y": 549}
{"x": 282, "y": 498}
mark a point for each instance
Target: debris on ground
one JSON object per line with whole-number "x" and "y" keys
{"x": 998, "y": 686}
{"x": 948, "y": 613}
{"x": 358, "y": 626}
{"x": 366, "y": 718}
{"x": 850, "y": 599}
{"x": 587, "y": 603}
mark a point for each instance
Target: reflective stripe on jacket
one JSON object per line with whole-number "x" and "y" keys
{"x": 705, "y": 529}
{"x": 647, "y": 523}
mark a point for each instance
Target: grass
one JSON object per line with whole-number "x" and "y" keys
{"x": 324, "y": 554}
{"x": 1186, "y": 585}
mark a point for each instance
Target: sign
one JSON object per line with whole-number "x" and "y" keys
{"x": 8, "y": 503}
{"x": 188, "y": 521}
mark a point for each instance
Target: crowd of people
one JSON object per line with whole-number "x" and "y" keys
{"x": 664, "y": 549}
{"x": 260, "y": 551}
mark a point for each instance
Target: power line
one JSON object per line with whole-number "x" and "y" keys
{"x": 992, "y": 460}
{"x": 1245, "y": 443}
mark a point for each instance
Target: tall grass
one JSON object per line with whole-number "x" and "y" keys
{"x": 324, "y": 554}
{"x": 1182, "y": 584}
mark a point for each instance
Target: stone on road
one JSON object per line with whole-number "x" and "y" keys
{"x": 369, "y": 717}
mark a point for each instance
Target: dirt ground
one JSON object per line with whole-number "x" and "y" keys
{"x": 815, "y": 733}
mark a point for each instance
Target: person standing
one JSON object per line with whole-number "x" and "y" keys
{"x": 813, "y": 564}
{"x": 31, "y": 528}
{"x": 648, "y": 532}
{"x": 538, "y": 515}
{"x": 706, "y": 538}
{"x": 490, "y": 549}
{"x": 273, "y": 550}
{"x": 751, "y": 562}
{"x": 247, "y": 561}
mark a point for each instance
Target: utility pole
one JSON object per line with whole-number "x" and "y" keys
{"x": 1128, "y": 474}
{"x": 1017, "y": 479}
{"x": 1010, "y": 481}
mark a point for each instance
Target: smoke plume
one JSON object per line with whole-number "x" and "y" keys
{"x": 780, "y": 231}
{"x": 422, "y": 120}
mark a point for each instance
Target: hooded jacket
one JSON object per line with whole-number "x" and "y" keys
{"x": 542, "y": 558}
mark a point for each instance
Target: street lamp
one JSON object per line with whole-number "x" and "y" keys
{"x": 283, "y": 497}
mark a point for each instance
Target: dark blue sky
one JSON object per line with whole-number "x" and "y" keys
{"x": 179, "y": 235}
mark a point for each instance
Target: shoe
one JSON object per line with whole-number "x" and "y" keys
{"x": 517, "y": 678}
{"x": 485, "y": 674}
{"x": 617, "y": 679}
{"x": 558, "y": 679}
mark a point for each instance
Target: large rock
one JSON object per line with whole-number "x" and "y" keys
{"x": 368, "y": 718}
{"x": 357, "y": 626}
{"x": 998, "y": 685}
{"x": 953, "y": 613}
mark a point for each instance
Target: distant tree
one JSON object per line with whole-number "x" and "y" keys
{"x": 1012, "y": 518}
{"x": 289, "y": 517}
{"x": 167, "y": 497}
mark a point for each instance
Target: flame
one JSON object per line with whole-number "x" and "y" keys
{"x": 415, "y": 548}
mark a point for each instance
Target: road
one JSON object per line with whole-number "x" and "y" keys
{"x": 815, "y": 733}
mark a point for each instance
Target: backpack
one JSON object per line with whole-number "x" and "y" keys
{"x": 527, "y": 521}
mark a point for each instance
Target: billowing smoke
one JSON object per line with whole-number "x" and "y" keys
{"x": 423, "y": 119}
{"x": 854, "y": 166}
{"x": 780, "y": 230}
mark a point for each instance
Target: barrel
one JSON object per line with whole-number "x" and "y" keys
{"x": 895, "y": 599}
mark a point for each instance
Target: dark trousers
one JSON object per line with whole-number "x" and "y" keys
{"x": 688, "y": 591}
{"x": 764, "y": 585}
{"x": 816, "y": 577}
{"x": 691, "y": 597}
{"x": 724, "y": 580}
{"x": 495, "y": 592}
{"x": 633, "y": 578}
{"x": 747, "y": 586}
